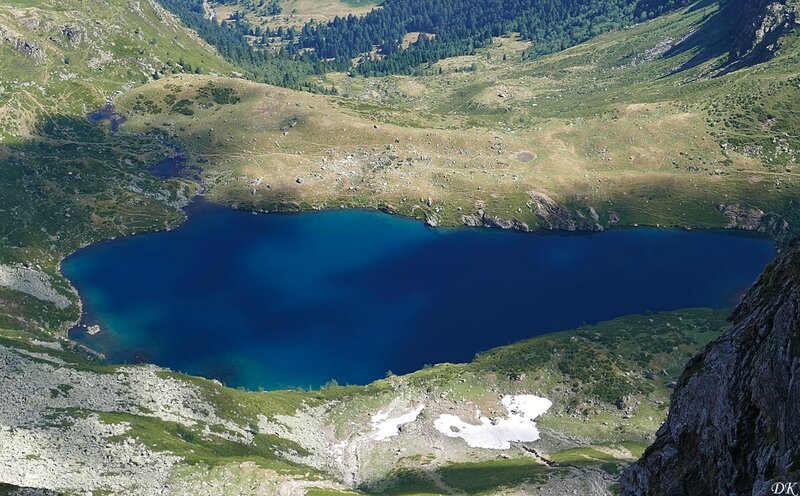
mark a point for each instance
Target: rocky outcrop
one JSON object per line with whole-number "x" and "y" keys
{"x": 753, "y": 219}
{"x": 481, "y": 219}
{"x": 553, "y": 216}
{"x": 733, "y": 426}
{"x": 499, "y": 223}
{"x": 73, "y": 34}
{"x": 759, "y": 26}
{"x": 26, "y": 47}
{"x": 32, "y": 282}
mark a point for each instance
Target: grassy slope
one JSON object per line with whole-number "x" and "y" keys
{"x": 609, "y": 384}
{"x": 84, "y": 53}
{"x": 65, "y": 182}
{"x": 639, "y": 140}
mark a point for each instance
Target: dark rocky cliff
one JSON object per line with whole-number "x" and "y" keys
{"x": 734, "y": 421}
{"x": 758, "y": 27}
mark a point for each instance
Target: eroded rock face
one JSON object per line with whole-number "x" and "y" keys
{"x": 553, "y": 216}
{"x": 734, "y": 421}
{"x": 26, "y": 47}
{"x": 761, "y": 23}
{"x": 73, "y": 34}
{"x": 20, "y": 42}
{"x": 481, "y": 219}
{"x": 753, "y": 219}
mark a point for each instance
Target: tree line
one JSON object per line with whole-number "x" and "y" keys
{"x": 457, "y": 27}
{"x": 284, "y": 69}
{"x": 452, "y": 27}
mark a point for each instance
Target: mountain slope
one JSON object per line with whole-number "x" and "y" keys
{"x": 70, "y": 56}
{"x": 455, "y": 28}
{"x": 72, "y": 423}
{"x": 64, "y": 180}
{"x": 733, "y": 424}
{"x": 642, "y": 126}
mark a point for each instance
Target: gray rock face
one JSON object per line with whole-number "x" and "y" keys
{"x": 73, "y": 34}
{"x": 753, "y": 219}
{"x": 482, "y": 219}
{"x": 759, "y": 25}
{"x": 734, "y": 421}
{"x": 32, "y": 282}
{"x": 553, "y": 216}
{"x": 26, "y": 47}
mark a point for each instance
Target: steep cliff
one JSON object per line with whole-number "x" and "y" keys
{"x": 734, "y": 421}
{"x": 758, "y": 27}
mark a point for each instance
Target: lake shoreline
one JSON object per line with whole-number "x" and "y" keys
{"x": 315, "y": 229}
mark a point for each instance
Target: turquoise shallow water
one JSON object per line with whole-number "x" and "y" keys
{"x": 295, "y": 300}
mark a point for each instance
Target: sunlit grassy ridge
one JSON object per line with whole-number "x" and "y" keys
{"x": 642, "y": 126}
{"x": 68, "y": 57}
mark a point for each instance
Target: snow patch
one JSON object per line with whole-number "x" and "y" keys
{"x": 498, "y": 433}
{"x": 384, "y": 427}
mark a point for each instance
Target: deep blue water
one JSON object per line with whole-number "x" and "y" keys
{"x": 175, "y": 166}
{"x": 108, "y": 113}
{"x": 298, "y": 299}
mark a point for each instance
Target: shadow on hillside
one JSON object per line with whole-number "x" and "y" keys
{"x": 726, "y": 32}
{"x": 63, "y": 187}
{"x": 466, "y": 478}
{"x": 11, "y": 489}
{"x": 712, "y": 40}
